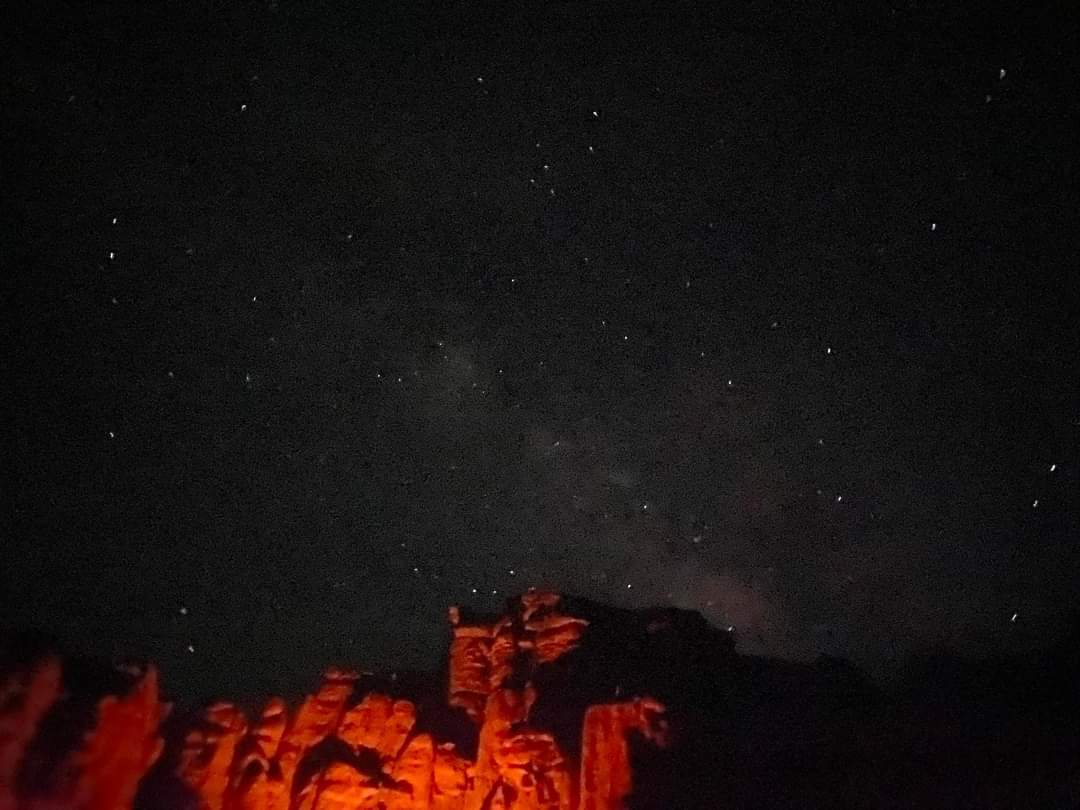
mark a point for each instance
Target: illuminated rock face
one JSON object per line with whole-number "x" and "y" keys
{"x": 25, "y": 697}
{"x": 379, "y": 723}
{"x": 208, "y": 754}
{"x": 606, "y": 775}
{"x": 252, "y": 783}
{"x": 449, "y": 779}
{"x": 121, "y": 748}
{"x": 531, "y": 765}
{"x": 470, "y": 663}
{"x": 316, "y": 720}
{"x": 340, "y": 753}
{"x": 483, "y": 657}
{"x": 345, "y": 748}
{"x": 103, "y": 770}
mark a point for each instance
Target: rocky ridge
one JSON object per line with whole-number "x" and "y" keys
{"x": 534, "y": 717}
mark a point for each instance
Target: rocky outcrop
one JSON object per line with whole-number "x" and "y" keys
{"x": 364, "y": 750}
{"x": 378, "y": 723}
{"x": 412, "y": 773}
{"x": 316, "y": 720}
{"x": 535, "y": 771}
{"x": 103, "y": 767}
{"x": 450, "y": 778}
{"x": 484, "y": 655}
{"x": 606, "y": 774}
{"x": 348, "y": 746}
{"x": 470, "y": 665}
{"x": 208, "y": 754}
{"x": 25, "y": 697}
{"x": 253, "y": 785}
{"x": 122, "y": 747}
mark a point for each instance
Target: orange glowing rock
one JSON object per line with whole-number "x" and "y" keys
{"x": 253, "y": 784}
{"x": 412, "y": 773}
{"x": 606, "y": 775}
{"x": 548, "y": 633}
{"x": 369, "y": 756}
{"x": 503, "y": 651}
{"x": 504, "y": 709}
{"x": 555, "y": 635}
{"x": 209, "y": 750}
{"x": 450, "y": 779}
{"x": 342, "y": 787}
{"x": 470, "y": 665}
{"x": 484, "y": 657}
{"x": 531, "y": 763}
{"x": 362, "y": 724}
{"x": 535, "y": 601}
{"x": 317, "y": 718}
{"x": 120, "y": 749}
{"x": 380, "y": 723}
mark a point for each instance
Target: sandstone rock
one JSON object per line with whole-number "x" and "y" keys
{"x": 271, "y": 727}
{"x": 25, "y": 697}
{"x": 450, "y": 779}
{"x": 548, "y": 632}
{"x": 535, "y": 601}
{"x": 484, "y": 658}
{"x": 380, "y": 723}
{"x": 554, "y": 635}
{"x": 396, "y": 731}
{"x": 502, "y": 654}
{"x": 504, "y": 709}
{"x": 209, "y": 750}
{"x": 403, "y": 784}
{"x": 606, "y": 776}
{"x": 362, "y": 725}
{"x": 342, "y": 787}
{"x": 413, "y": 773}
{"x": 470, "y": 665}
{"x": 120, "y": 749}
{"x": 254, "y": 784}
{"x": 531, "y": 763}
{"x": 317, "y": 718}
{"x": 367, "y": 757}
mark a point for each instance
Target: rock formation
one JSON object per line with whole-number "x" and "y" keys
{"x": 122, "y": 747}
{"x": 316, "y": 720}
{"x": 24, "y": 698}
{"x": 346, "y": 751}
{"x": 109, "y": 758}
{"x": 252, "y": 783}
{"x": 349, "y": 747}
{"x": 450, "y": 778}
{"x": 380, "y": 724}
{"x": 209, "y": 751}
{"x": 606, "y": 773}
{"x": 557, "y": 705}
{"x": 484, "y": 655}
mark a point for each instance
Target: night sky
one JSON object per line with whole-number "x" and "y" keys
{"x": 321, "y": 317}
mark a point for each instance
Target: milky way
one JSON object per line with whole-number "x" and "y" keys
{"x": 329, "y": 319}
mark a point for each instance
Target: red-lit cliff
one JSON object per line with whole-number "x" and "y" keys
{"x": 539, "y": 711}
{"x": 56, "y": 753}
{"x": 559, "y": 704}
